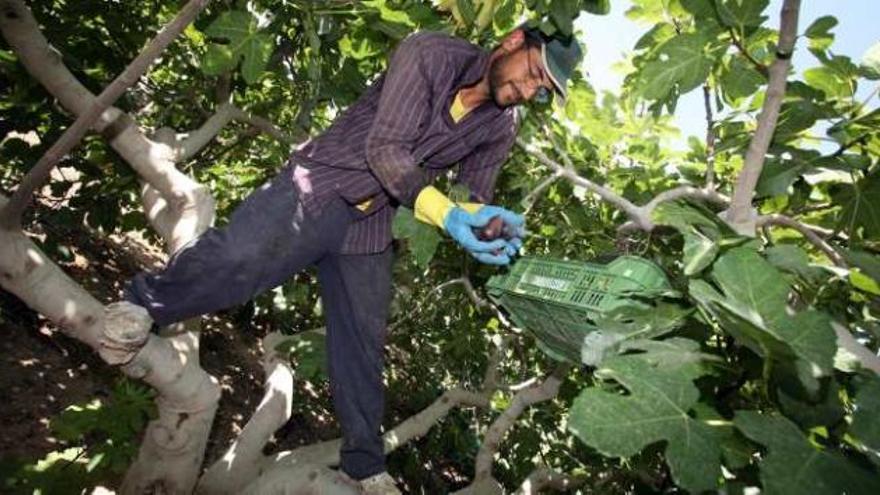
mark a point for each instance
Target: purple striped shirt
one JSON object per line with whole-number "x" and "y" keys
{"x": 399, "y": 136}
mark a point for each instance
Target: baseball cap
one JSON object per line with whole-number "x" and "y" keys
{"x": 560, "y": 55}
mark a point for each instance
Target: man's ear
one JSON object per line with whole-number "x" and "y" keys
{"x": 513, "y": 41}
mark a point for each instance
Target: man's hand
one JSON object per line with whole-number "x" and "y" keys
{"x": 464, "y": 228}
{"x": 497, "y": 229}
{"x": 464, "y": 222}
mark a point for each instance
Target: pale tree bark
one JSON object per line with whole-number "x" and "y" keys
{"x": 173, "y": 447}
{"x": 174, "y": 443}
{"x": 273, "y": 474}
{"x": 483, "y": 481}
{"x": 468, "y": 287}
{"x": 639, "y": 215}
{"x": 153, "y": 161}
{"x": 10, "y": 217}
{"x": 188, "y": 146}
{"x": 741, "y": 216}
{"x": 811, "y": 235}
{"x": 543, "y": 477}
{"x": 307, "y": 469}
{"x": 241, "y": 462}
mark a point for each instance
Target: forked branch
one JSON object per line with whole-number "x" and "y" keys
{"x": 741, "y": 216}
{"x": 10, "y": 217}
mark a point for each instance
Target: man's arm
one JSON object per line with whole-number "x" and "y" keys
{"x": 479, "y": 170}
{"x": 404, "y": 104}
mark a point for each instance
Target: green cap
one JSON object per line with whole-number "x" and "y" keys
{"x": 561, "y": 56}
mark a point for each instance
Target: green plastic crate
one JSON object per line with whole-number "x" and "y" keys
{"x": 559, "y": 301}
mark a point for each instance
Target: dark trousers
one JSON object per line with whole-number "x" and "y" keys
{"x": 269, "y": 239}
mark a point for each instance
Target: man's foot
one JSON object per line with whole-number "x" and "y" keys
{"x": 379, "y": 484}
{"x": 126, "y": 329}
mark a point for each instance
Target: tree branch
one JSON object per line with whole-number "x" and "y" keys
{"x": 741, "y": 216}
{"x": 491, "y": 381}
{"x": 710, "y": 138}
{"x": 188, "y": 205}
{"x": 547, "y": 390}
{"x": 689, "y": 192}
{"x": 807, "y": 232}
{"x": 640, "y": 216}
{"x": 633, "y": 211}
{"x": 529, "y": 201}
{"x": 227, "y": 112}
{"x": 327, "y": 453}
{"x": 416, "y": 426}
{"x": 174, "y": 443}
{"x": 10, "y": 217}
{"x": 468, "y": 288}
{"x": 241, "y": 460}
{"x": 269, "y": 128}
{"x": 543, "y": 477}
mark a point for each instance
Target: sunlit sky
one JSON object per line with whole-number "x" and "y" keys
{"x": 609, "y": 38}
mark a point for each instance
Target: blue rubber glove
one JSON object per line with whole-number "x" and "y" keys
{"x": 514, "y": 226}
{"x": 513, "y": 246}
{"x": 460, "y": 225}
{"x": 513, "y": 222}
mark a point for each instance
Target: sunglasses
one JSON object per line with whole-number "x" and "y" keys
{"x": 543, "y": 94}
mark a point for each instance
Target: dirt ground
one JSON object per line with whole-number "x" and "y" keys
{"x": 42, "y": 371}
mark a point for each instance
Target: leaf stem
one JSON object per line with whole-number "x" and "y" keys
{"x": 745, "y": 52}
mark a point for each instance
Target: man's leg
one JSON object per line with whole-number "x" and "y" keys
{"x": 356, "y": 291}
{"x": 268, "y": 239}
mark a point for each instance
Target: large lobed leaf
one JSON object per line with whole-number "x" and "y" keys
{"x": 702, "y": 231}
{"x": 742, "y": 13}
{"x": 680, "y": 63}
{"x": 871, "y": 62}
{"x": 656, "y": 409}
{"x": 865, "y": 425}
{"x": 740, "y": 79}
{"x": 795, "y": 466}
{"x": 750, "y": 303}
{"x": 795, "y": 261}
{"x": 819, "y": 35}
{"x": 246, "y": 44}
{"x": 630, "y": 322}
{"x": 861, "y": 210}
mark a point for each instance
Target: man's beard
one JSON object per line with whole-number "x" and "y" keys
{"x": 496, "y": 82}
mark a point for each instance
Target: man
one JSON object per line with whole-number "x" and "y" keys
{"x": 442, "y": 102}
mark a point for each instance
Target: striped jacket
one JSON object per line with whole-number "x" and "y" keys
{"x": 399, "y": 136}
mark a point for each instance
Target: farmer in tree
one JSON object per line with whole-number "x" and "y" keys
{"x": 442, "y": 102}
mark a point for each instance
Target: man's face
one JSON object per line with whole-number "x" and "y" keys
{"x": 518, "y": 76}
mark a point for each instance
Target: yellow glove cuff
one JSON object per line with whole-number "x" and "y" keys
{"x": 471, "y": 207}
{"x": 432, "y": 206}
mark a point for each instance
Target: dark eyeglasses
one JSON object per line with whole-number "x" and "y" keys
{"x": 542, "y": 94}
